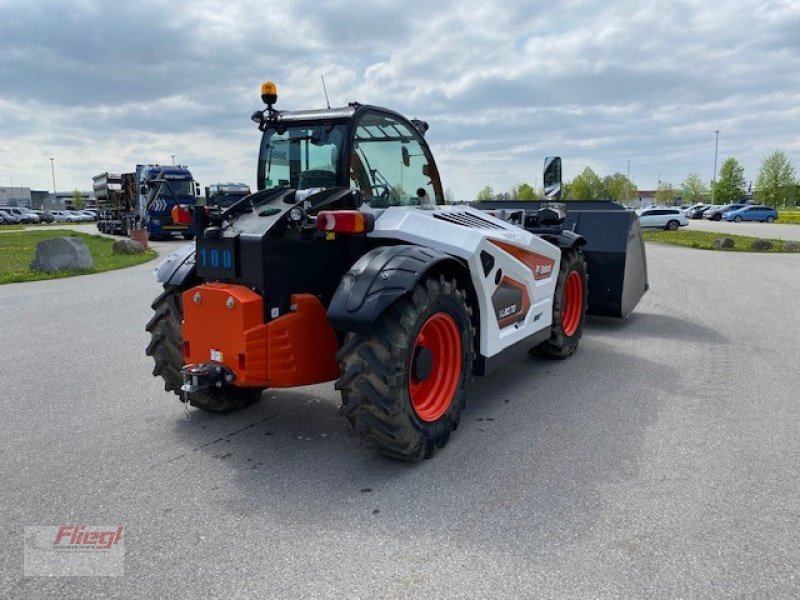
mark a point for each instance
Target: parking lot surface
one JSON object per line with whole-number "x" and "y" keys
{"x": 661, "y": 461}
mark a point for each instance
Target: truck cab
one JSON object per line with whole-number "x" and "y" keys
{"x": 223, "y": 195}
{"x": 160, "y": 189}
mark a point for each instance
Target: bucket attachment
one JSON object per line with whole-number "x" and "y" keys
{"x": 615, "y": 258}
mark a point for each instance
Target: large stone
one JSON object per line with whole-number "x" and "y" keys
{"x": 759, "y": 244}
{"x": 792, "y": 246}
{"x": 724, "y": 242}
{"x": 127, "y": 247}
{"x": 62, "y": 254}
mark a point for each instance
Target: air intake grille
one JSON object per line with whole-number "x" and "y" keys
{"x": 467, "y": 220}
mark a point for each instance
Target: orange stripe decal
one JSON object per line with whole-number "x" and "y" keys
{"x": 540, "y": 266}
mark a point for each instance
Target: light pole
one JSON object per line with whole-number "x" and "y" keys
{"x": 628, "y": 183}
{"x": 53, "y": 171}
{"x": 714, "y": 178}
{"x": 173, "y": 159}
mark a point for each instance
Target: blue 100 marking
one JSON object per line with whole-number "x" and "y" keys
{"x": 212, "y": 258}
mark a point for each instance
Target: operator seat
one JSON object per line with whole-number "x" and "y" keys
{"x": 314, "y": 178}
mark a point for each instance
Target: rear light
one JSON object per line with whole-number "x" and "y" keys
{"x": 345, "y": 221}
{"x": 181, "y": 214}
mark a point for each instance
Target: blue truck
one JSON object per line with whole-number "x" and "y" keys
{"x": 144, "y": 199}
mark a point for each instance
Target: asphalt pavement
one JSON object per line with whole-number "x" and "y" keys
{"x": 661, "y": 461}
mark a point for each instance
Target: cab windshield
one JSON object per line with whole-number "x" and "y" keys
{"x": 178, "y": 188}
{"x": 300, "y": 156}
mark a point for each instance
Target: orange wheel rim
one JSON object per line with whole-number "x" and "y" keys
{"x": 435, "y": 367}
{"x": 572, "y": 305}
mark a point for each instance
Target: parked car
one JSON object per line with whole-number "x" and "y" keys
{"x": 766, "y": 214}
{"x": 45, "y": 216}
{"x": 25, "y": 215}
{"x": 697, "y": 212}
{"x": 662, "y": 218}
{"x": 8, "y": 218}
{"x": 62, "y": 216}
{"x": 80, "y": 215}
{"x": 716, "y": 213}
{"x": 688, "y": 210}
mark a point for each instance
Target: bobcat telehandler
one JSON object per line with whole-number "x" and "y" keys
{"x": 346, "y": 265}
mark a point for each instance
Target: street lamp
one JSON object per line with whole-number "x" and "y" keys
{"x": 173, "y": 159}
{"x": 628, "y": 182}
{"x": 53, "y": 171}
{"x": 714, "y": 178}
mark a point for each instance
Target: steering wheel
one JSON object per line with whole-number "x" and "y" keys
{"x": 381, "y": 195}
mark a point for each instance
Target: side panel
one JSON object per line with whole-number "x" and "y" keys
{"x": 494, "y": 251}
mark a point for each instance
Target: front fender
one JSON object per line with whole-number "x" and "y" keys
{"x": 377, "y": 279}
{"x": 177, "y": 267}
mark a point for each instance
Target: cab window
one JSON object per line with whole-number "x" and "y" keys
{"x": 389, "y": 164}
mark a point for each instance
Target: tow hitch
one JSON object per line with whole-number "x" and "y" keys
{"x": 200, "y": 377}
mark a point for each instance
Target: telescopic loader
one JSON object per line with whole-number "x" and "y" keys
{"x": 346, "y": 265}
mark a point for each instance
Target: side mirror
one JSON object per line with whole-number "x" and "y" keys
{"x": 406, "y": 156}
{"x": 552, "y": 177}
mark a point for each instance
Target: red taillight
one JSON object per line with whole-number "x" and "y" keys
{"x": 181, "y": 214}
{"x": 345, "y": 221}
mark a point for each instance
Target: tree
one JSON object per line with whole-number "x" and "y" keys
{"x": 449, "y": 196}
{"x": 77, "y": 200}
{"x": 486, "y": 193}
{"x": 525, "y": 192}
{"x": 694, "y": 189}
{"x": 776, "y": 180}
{"x": 730, "y": 186}
{"x": 665, "y": 194}
{"x": 620, "y": 188}
{"x": 588, "y": 186}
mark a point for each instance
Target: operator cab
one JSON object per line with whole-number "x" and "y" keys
{"x": 370, "y": 149}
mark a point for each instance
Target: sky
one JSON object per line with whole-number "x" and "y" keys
{"x": 102, "y": 86}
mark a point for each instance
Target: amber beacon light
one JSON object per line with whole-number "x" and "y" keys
{"x": 269, "y": 93}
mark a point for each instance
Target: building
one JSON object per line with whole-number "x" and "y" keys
{"x": 15, "y": 196}
{"x": 42, "y": 200}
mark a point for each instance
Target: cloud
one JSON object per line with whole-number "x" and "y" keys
{"x": 103, "y": 86}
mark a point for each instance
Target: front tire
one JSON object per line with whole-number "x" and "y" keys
{"x": 404, "y": 386}
{"x": 166, "y": 348}
{"x": 569, "y": 307}
{"x": 770, "y": 219}
{"x": 737, "y": 218}
{"x": 673, "y": 225}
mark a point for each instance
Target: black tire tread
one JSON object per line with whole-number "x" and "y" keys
{"x": 374, "y": 380}
{"x": 559, "y": 346}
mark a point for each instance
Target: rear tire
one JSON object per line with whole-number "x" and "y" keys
{"x": 166, "y": 348}
{"x": 569, "y": 307}
{"x": 737, "y": 218}
{"x": 404, "y": 387}
{"x": 673, "y": 225}
{"x": 188, "y": 236}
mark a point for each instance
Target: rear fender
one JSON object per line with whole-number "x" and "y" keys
{"x": 178, "y": 267}
{"x": 376, "y": 280}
